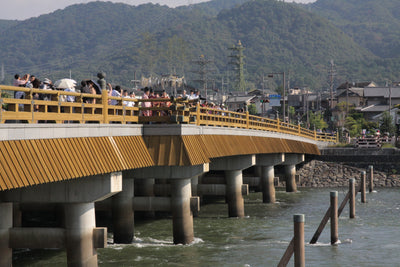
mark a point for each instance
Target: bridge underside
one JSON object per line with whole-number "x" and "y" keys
{"x": 26, "y": 163}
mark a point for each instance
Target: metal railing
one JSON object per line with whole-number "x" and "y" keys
{"x": 90, "y": 108}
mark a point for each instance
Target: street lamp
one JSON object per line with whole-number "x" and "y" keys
{"x": 271, "y": 75}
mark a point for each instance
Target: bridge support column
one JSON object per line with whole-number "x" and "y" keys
{"x": 145, "y": 188}
{"x": 182, "y": 218}
{"x": 290, "y": 177}
{"x": 123, "y": 214}
{"x": 233, "y": 166}
{"x": 234, "y": 197}
{"x": 6, "y": 223}
{"x": 267, "y": 184}
{"x": 79, "y": 223}
{"x": 290, "y": 170}
{"x": 181, "y": 193}
{"x": 267, "y": 163}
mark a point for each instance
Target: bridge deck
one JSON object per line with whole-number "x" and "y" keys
{"x": 49, "y": 153}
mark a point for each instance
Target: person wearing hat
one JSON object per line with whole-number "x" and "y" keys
{"x": 46, "y": 85}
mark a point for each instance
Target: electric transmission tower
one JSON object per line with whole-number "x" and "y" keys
{"x": 237, "y": 60}
{"x": 203, "y": 69}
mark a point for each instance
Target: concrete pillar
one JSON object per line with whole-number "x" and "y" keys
{"x": 6, "y": 222}
{"x": 123, "y": 214}
{"x": 145, "y": 188}
{"x": 79, "y": 224}
{"x": 234, "y": 197}
{"x": 17, "y": 215}
{"x": 182, "y": 218}
{"x": 195, "y": 182}
{"x": 194, "y": 185}
{"x": 290, "y": 177}
{"x": 267, "y": 184}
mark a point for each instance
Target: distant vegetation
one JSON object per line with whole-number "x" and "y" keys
{"x": 362, "y": 37}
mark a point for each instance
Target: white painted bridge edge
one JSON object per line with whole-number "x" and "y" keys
{"x": 48, "y": 131}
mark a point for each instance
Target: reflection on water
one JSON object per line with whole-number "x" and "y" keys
{"x": 260, "y": 239}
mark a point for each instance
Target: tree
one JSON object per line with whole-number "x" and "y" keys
{"x": 386, "y": 124}
{"x": 252, "y": 109}
{"x": 317, "y": 121}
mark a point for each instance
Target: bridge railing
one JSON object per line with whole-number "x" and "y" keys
{"x": 39, "y": 105}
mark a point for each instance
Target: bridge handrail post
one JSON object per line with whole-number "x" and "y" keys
{"x": 247, "y": 120}
{"x": 315, "y": 134}
{"x": 104, "y": 100}
{"x": 198, "y": 113}
{"x": 278, "y": 125}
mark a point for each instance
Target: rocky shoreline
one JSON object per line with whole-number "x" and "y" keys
{"x": 332, "y": 174}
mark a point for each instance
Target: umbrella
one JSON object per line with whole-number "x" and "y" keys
{"x": 96, "y": 86}
{"x": 65, "y": 83}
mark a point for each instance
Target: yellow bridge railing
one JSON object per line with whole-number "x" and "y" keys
{"x": 90, "y": 108}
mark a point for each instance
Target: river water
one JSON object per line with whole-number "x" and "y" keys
{"x": 260, "y": 239}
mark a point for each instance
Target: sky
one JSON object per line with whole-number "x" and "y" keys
{"x": 24, "y": 9}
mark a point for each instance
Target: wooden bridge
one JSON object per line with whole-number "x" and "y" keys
{"x": 79, "y": 156}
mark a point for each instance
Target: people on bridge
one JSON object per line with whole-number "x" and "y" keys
{"x": 146, "y": 104}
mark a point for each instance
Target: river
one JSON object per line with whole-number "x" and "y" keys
{"x": 261, "y": 238}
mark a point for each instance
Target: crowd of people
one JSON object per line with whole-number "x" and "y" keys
{"x": 95, "y": 87}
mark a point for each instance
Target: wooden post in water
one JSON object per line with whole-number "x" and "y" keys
{"x": 363, "y": 187}
{"x": 334, "y": 217}
{"x": 371, "y": 178}
{"x": 299, "y": 250}
{"x": 352, "y": 201}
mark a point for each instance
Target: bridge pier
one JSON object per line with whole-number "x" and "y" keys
{"x": 79, "y": 224}
{"x": 233, "y": 167}
{"x": 267, "y": 163}
{"x": 145, "y": 187}
{"x": 182, "y": 218}
{"x": 123, "y": 213}
{"x": 80, "y": 236}
{"x": 181, "y": 195}
{"x": 6, "y": 223}
{"x": 234, "y": 197}
{"x": 291, "y": 160}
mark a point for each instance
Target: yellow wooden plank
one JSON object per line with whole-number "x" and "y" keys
{"x": 18, "y": 165}
{"x": 59, "y": 157}
{"x": 28, "y": 161}
{"x": 8, "y": 168}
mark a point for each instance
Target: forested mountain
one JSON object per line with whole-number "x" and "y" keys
{"x": 151, "y": 39}
{"x": 373, "y": 24}
{"x": 5, "y": 24}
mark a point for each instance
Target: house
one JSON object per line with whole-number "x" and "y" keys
{"x": 235, "y": 103}
{"x": 379, "y": 100}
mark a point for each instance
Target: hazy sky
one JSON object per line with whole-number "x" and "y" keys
{"x": 23, "y": 9}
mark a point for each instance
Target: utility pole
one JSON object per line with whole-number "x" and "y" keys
{"x": 135, "y": 81}
{"x": 237, "y": 60}
{"x": 390, "y": 97}
{"x": 271, "y": 75}
{"x": 347, "y": 98}
{"x": 332, "y": 74}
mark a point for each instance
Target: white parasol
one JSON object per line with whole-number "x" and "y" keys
{"x": 65, "y": 83}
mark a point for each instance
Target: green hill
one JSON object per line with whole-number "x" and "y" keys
{"x": 121, "y": 39}
{"x": 373, "y": 24}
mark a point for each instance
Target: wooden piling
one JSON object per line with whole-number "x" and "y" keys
{"x": 352, "y": 200}
{"x": 363, "y": 187}
{"x": 334, "y": 217}
{"x": 371, "y": 178}
{"x": 299, "y": 249}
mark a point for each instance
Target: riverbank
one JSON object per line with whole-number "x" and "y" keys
{"x": 331, "y": 174}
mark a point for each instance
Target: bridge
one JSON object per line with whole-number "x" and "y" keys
{"x": 79, "y": 157}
